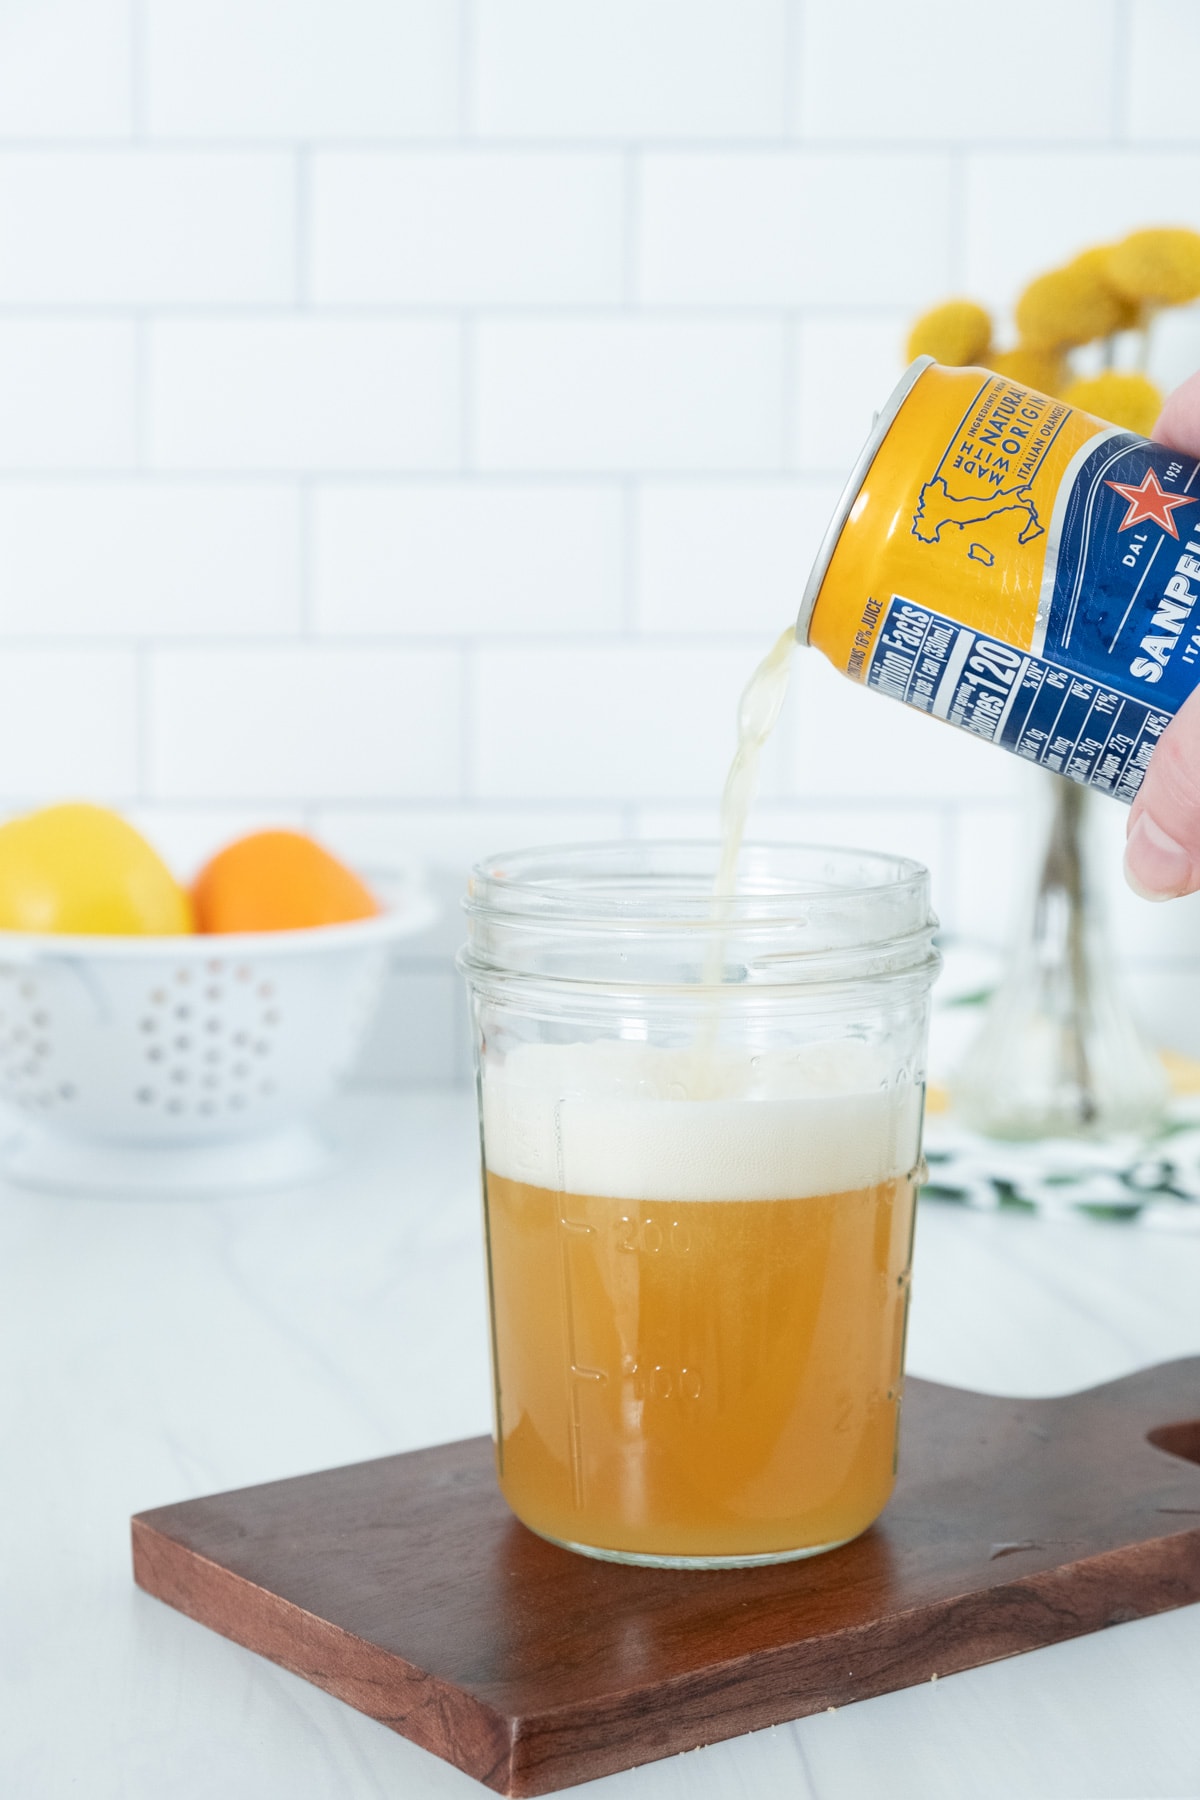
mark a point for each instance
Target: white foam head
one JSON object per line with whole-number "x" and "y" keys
{"x": 617, "y": 1119}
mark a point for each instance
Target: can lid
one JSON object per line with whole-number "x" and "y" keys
{"x": 880, "y": 427}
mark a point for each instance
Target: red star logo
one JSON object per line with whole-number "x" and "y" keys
{"x": 1150, "y": 501}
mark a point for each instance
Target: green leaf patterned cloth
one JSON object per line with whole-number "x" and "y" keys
{"x": 1153, "y": 1181}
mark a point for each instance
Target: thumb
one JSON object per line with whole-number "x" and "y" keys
{"x": 1162, "y": 848}
{"x": 1179, "y": 425}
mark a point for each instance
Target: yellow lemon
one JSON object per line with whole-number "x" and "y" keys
{"x": 80, "y": 868}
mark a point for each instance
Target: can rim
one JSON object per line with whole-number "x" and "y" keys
{"x": 880, "y": 427}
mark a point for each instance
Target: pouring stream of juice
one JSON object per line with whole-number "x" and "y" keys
{"x": 758, "y": 709}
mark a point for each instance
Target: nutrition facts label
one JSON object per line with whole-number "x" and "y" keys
{"x": 1044, "y": 712}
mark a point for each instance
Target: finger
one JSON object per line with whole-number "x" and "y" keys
{"x": 1162, "y": 849}
{"x": 1179, "y": 423}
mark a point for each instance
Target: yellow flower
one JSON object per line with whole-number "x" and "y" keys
{"x": 1126, "y": 400}
{"x": 1045, "y": 370}
{"x": 956, "y": 333}
{"x": 1094, "y": 265}
{"x": 1072, "y": 305}
{"x": 1159, "y": 267}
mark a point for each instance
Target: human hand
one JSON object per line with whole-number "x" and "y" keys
{"x": 1162, "y": 848}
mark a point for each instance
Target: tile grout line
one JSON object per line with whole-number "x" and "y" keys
{"x": 948, "y": 837}
{"x": 1121, "y": 110}
{"x": 468, "y": 31}
{"x": 793, "y": 69}
{"x": 468, "y": 353}
{"x": 584, "y": 642}
{"x": 342, "y": 802}
{"x": 956, "y": 246}
{"x": 535, "y": 475}
{"x": 631, "y": 211}
{"x": 137, "y": 71}
{"x": 302, "y": 227}
{"x": 305, "y": 505}
{"x": 744, "y": 146}
{"x": 789, "y": 396}
{"x": 631, "y": 502}
{"x": 143, "y": 677}
{"x": 141, "y": 399}
{"x": 467, "y": 734}
{"x": 430, "y": 312}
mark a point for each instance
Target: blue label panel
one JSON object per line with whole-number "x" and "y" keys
{"x": 1121, "y": 601}
{"x": 1049, "y": 714}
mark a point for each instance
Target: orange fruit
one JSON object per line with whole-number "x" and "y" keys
{"x": 278, "y": 881}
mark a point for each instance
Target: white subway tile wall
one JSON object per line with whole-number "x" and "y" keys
{"x": 69, "y": 399}
{"x": 934, "y": 71}
{"x": 1095, "y": 194}
{"x": 67, "y": 69}
{"x": 417, "y": 416}
{"x": 699, "y": 542}
{"x": 457, "y": 559}
{"x": 304, "y": 70}
{"x": 180, "y": 559}
{"x": 305, "y": 722}
{"x": 1164, "y": 44}
{"x": 769, "y": 228}
{"x": 629, "y": 69}
{"x": 110, "y": 227}
{"x": 622, "y": 395}
{"x": 303, "y": 393}
{"x": 466, "y": 228}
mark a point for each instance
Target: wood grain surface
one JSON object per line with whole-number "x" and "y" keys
{"x": 405, "y": 1587}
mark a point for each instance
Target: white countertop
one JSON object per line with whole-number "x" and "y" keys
{"x": 157, "y": 1350}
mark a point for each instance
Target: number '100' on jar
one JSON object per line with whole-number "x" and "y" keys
{"x": 1029, "y": 573}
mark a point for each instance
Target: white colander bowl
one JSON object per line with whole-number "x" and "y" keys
{"x": 183, "y": 1064}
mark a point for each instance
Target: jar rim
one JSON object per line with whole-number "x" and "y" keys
{"x": 645, "y": 882}
{"x": 636, "y": 915}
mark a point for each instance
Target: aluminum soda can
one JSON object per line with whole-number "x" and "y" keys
{"x": 1029, "y": 573}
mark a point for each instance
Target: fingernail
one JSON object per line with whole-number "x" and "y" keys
{"x": 1156, "y": 867}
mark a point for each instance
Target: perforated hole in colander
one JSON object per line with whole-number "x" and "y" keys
{"x": 216, "y": 1054}
{"x": 27, "y": 1047}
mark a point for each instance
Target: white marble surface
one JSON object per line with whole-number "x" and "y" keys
{"x": 152, "y": 1351}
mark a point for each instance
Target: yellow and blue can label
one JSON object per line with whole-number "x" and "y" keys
{"x": 1020, "y": 569}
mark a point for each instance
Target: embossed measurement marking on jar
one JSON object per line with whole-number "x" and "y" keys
{"x": 576, "y": 1370}
{"x": 641, "y": 1378}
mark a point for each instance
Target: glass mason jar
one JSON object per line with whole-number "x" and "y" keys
{"x": 701, "y": 1133}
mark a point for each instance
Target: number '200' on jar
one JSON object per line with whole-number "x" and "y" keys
{"x": 1019, "y": 568}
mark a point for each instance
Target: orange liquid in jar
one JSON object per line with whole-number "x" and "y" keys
{"x": 698, "y": 1378}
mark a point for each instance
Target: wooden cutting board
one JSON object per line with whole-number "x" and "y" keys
{"x": 406, "y": 1588}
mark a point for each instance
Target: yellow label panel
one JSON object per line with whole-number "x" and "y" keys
{"x": 955, "y": 513}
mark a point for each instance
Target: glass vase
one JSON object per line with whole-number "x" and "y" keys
{"x": 1059, "y": 1053}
